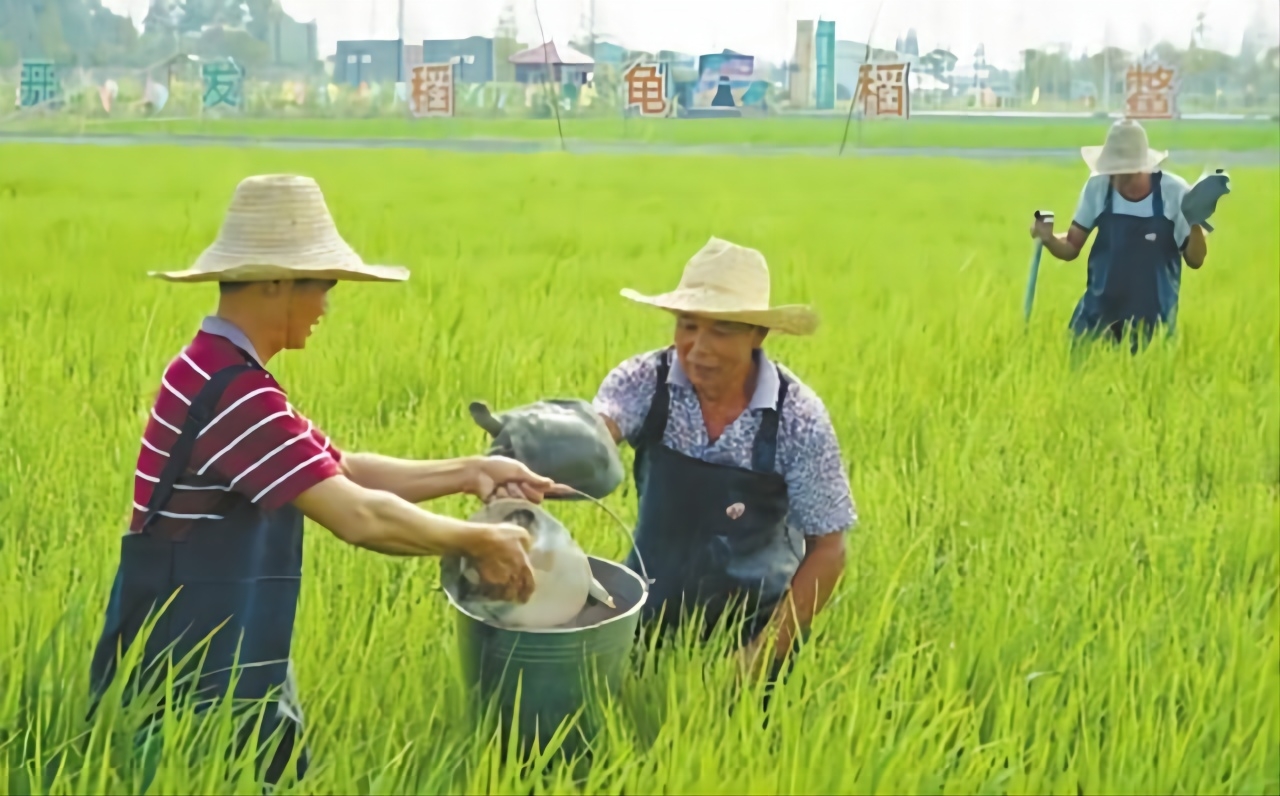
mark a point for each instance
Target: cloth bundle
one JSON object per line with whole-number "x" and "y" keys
{"x": 561, "y": 439}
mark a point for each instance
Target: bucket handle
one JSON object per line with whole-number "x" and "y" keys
{"x": 626, "y": 531}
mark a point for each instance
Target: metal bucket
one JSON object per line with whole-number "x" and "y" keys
{"x": 555, "y": 672}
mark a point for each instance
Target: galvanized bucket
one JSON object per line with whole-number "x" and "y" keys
{"x": 555, "y": 672}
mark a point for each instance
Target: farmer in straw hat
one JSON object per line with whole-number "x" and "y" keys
{"x": 227, "y": 469}
{"x": 735, "y": 460}
{"x": 1135, "y": 265}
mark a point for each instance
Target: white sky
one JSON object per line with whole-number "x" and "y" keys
{"x": 766, "y": 28}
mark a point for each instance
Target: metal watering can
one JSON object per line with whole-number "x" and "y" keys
{"x": 557, "y": 670}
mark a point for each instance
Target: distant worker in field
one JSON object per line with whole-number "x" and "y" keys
{"x": 743, "y": 496}
{"x": 1144, "y": 235}
{"x": 228, "y": 468}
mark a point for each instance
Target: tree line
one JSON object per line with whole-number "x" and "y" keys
{"x": 86, "y": 33}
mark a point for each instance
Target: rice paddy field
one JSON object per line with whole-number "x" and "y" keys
{"x": 1065, "y": 575}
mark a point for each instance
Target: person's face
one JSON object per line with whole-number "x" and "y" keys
{"x": 716, "y": 355}
{"x": 306, "y": 303}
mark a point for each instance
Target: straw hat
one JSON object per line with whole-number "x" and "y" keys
{"x": 1126, "y": 151}
{"x": 278, "y": 227}
{"x": 728, "y": 282}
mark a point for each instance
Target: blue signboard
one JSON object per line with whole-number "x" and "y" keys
{"x": 825, "y": 58}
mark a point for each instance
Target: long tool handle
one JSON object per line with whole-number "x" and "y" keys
{"x": 1041, "y": 215}
{"x": 1031, "y": 281}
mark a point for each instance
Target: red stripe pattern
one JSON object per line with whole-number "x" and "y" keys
{"x": 257, "y": 447}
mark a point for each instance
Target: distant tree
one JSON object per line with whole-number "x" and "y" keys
{"x": 161, "y": 18}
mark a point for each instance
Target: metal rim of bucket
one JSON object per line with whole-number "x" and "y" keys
{"x": 644, "y": 596}
{"x": 643, "y": 577}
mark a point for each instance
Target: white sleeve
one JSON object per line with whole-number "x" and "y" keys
{"x": 1090, "y": 206}
{"x": 1173, "y": 190}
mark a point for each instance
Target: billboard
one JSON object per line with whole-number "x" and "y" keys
{"x": 727, "y": 80}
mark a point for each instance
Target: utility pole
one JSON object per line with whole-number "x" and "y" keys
{"x": 591, "y": 27}
{"x": 400, "y": 32}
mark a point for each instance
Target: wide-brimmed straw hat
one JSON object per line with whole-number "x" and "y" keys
{"x": 279, "y": 227}
{"x": 1126, "y": 151}
{"x": 728, "y": 282}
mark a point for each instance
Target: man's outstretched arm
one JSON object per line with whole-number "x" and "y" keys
{"x": 418, "y": 481}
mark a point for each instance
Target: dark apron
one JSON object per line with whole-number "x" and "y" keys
{"x": 697, "y": 555}
{"x": 243, "y": 570}
{"x": 1134, "y": 269}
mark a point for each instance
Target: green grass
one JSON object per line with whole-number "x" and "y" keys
{"x": 1065, "y": 578}
{"x": 799, "y": 132}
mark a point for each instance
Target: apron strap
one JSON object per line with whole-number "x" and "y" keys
{"x": 198, "y": 416}
{"x": 1157, "y": 199}
{"x": 655, "y": 422}
{"x": 1111, "y": 195}
{"x": 764, "y": 452}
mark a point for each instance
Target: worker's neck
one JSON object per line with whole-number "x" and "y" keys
{"x": 1136, "y": 189}
{"x": 266, "y": 339}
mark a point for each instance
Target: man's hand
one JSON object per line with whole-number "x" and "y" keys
{"x": 498, "y": 476}
{"x": 500, "y": 555}
{"x": 1042, "y": 229}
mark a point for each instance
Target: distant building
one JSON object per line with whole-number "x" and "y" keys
{"x": 477, "y": 48}
{"x": 292, "y": 43}
{"x": 368, "y": 61}
{"x": 412, "y": 56}
{"x": 565, "y": 64}
{"x": 682, "y": 75}
{"x": 606, "y": 52}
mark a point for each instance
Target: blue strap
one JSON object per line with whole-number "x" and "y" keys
{"x": 655, "y": 422}
{"x": 1157, "y": 198}
{"x": 764, "y": 452}
{"x": 198, "y": 416}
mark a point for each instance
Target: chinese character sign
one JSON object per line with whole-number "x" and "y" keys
{"x": 431, "y": 91}
{"x": 1151, "y": 92}
{"x": 884, "y": 91}
{"x": 38, "y": 83}
{"x": 647, "y": 89}
{"x": 223, "y": 84}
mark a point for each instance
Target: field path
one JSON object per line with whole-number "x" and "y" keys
{"x": 530, "y": 146}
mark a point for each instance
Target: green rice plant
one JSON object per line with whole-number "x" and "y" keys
{"x": 1065, "y": 575}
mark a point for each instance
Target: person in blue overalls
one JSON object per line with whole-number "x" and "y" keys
{"x": 1135, "y": 264}
{"x": 228, "y": 468}
{"x": 744, "y": 498}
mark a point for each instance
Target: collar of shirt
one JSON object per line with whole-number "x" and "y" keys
{"x": 225, "y": 328}
{"x": 767, "y": 383}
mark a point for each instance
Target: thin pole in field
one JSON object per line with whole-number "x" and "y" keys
{"x": 853, "y": 102}
{"x": 546, "y": 60}
{"x": 400, "y": 34}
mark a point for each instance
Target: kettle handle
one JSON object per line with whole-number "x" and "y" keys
{"x": 622, "y": 525}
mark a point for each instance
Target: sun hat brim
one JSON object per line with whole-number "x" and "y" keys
{"x": 1093, "y": 159}
{"x": 269, "y": 273}
{"x": 792, "y": 319}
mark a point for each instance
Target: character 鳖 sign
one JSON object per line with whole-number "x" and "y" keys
{"x": 1151, "y": 92}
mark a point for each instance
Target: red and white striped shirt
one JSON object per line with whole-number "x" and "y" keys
{"x": 257, "y": 447}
